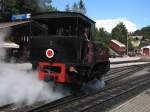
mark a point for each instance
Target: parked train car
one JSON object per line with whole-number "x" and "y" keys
{"x": 67, "y": 53}
{"x": 117, "y": 47}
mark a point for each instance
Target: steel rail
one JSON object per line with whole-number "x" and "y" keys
{"x": 55, "y": 105}
{"x": 89, "y": 102}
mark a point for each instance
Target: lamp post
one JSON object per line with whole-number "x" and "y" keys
{"x": 127, "y": 44}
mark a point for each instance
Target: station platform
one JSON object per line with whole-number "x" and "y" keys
{"x": 139, "y": 103}
{"x": 123, "y": 59}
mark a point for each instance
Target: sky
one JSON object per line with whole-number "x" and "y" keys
{"x": 107, "y": 13}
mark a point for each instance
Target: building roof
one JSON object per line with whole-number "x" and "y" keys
{"x": 9, "y": 45}
{"x": 61, "y": 14}
{"x": 10, "y": 24}
{"x": 146, "y": 47}
{"x": 138, "y": 37}
{"x": 118, "y": 43}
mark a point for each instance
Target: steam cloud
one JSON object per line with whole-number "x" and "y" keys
{"x": 3, "y": 34}
{"x": 19, "y": 86}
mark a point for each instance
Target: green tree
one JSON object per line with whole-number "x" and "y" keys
{"x": 97, "y": 34}
{"x": 29, "y": 6}
{"x": 102, "y": 36}
{"x": 120, "y": 33}
{"x": 10, "y": 7}
{"x": 75, "y": 7}
{"x": 45, "y": 6}
{"x": 81, "y": 7}
{"x": 19, "y": 6}
{"x": 145, "y": 31}
{"x": 67, "y": 8}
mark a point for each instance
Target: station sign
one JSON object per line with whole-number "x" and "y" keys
{"x": 20, "y": 17}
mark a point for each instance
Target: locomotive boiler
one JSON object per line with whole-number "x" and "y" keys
{"x": 67, "y": 53}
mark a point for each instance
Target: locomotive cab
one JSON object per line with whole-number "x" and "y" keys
{"x": 67, "y": 53}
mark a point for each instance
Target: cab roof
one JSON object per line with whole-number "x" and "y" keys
{"x": 61, "y": 15}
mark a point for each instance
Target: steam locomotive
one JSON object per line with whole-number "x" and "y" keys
{"x": 67, "y": 53}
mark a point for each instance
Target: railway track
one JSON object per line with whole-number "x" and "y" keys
{"x": 5, "y": 107}
{"x": 99, "y": 100}
{"x": 119, "y": 69}
{"x": 117, "y": 95}
{"x": 89, "y": 101}
{"x": 120, "y": 73}
{"x": 124, "y": 72}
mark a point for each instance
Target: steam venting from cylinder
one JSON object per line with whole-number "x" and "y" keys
{"x": 17, "y": 85}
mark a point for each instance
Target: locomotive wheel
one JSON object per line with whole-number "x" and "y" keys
{"x": 99, "y": 75}
{"x": 74, "y": 89}
{"x": 92, "y": 74}
{"x": 97, "y": 72}
{"x": 102, "y": 69}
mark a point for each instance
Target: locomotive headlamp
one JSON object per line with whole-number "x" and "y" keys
{"x": 49, "y": 53}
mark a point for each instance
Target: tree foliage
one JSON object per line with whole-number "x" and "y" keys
{"x": 145, "y": 31}
{"x": 102, "y": 36}
{"x": 74, "y": 7}
{"x": 81, "y": 7}
{"x": 10, "y": 7}
{"x": 120, "y": 33}
{"x": 67, "y": 8}
{"x": 77, "y": 7}
{"x": 45, "y": 6}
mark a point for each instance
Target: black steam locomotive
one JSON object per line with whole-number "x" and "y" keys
{"x": 66, "y": 53}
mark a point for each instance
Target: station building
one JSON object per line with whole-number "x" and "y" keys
{"x": 146, "y": 51}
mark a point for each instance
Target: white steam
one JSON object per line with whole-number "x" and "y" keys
{"x": 44, "y": 5}
{"x": 3, "y": 34}
{"x": 19, "y": 86}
